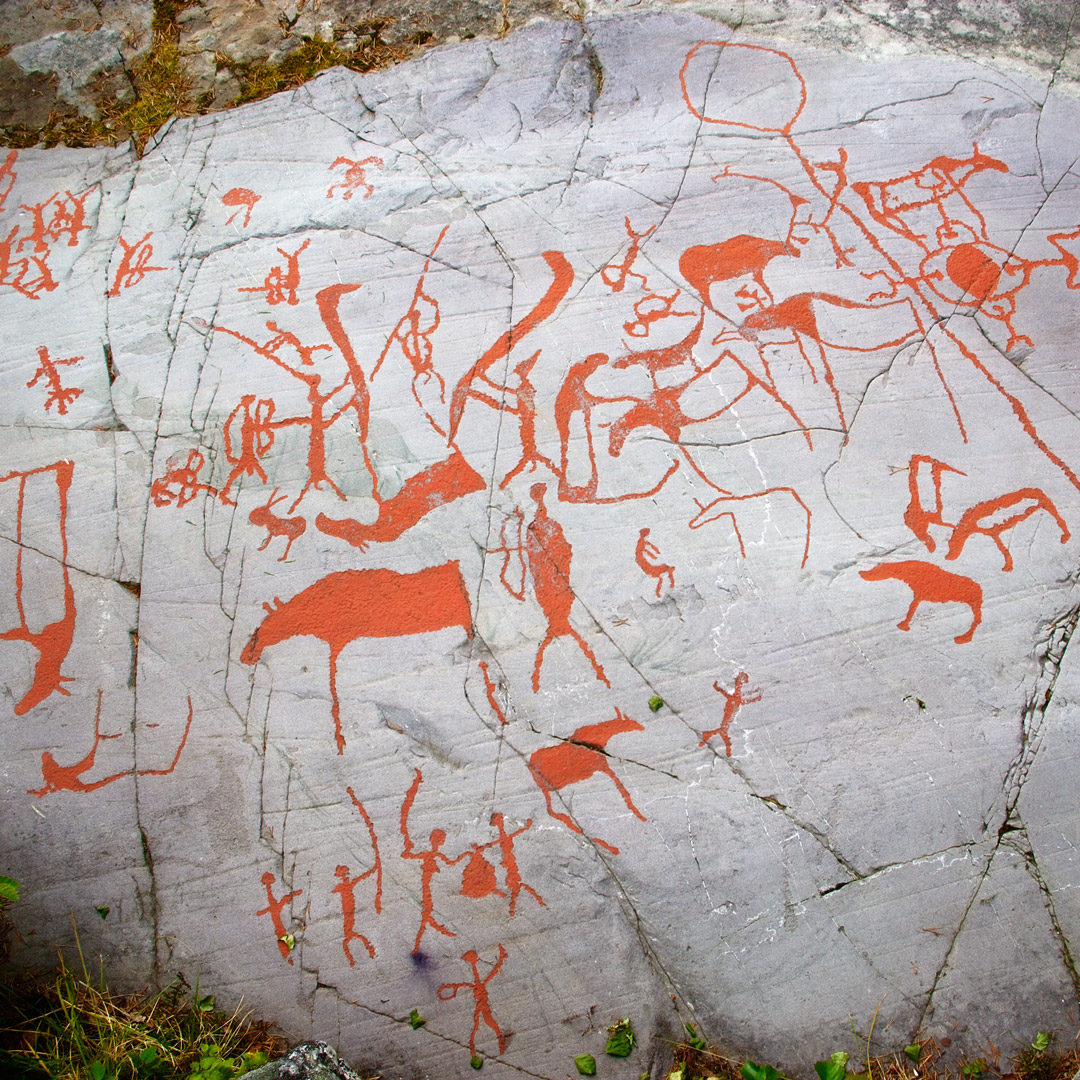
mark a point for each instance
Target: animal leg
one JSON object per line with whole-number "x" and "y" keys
{"x": 335, "y": 708}
{"x": 592, "y": 659}
{"x": 976, "y": 618}
{"x": 539, "y": 660}
{"x": 905, "y": 624}
{"x": 626, "y": 794}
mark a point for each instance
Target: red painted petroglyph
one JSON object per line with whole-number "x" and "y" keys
{"x": 181, "y": 483}
{"x": 343, "y": 607}
{"x": 8, "y": 176}
{"x": 932, "y": 585}
{"x": 479, "y": 990}
{"x": 345, "y": 888}
{"x": 711, "y": 511}
{"x": 280, "y": 284}
{"x": 489, "y": 689}
{"x": 264, "y": 517}
{"x": 429, "y": 865}
{"x": 917, "y": 517}
{"x": 134, "y": 264}
{"x": 355, "y": 178}
{"x": 18, "y": 274}
{"x": 644, "y": 554}
{"x": 56, "y": 777}
{"x": 579, "y": 757}
{"x": 256, "y": 440}
{"x": 990, "y": 518}
{"x": 53, "y": 641}
{"x": 241, "y": 197}
{"x": 547, "y": 553}
{"x": 58, "y": 395}
{"x": 514, "y": 882}
{"x": 733, "y": 701}
{"x": 274, "y": 908}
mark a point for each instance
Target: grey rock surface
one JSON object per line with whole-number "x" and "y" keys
{"x": 577, "y": 526}
{"x": 308, "y": 1061}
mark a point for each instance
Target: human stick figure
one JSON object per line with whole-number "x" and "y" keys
{"x": 514, "y": 882}
{"x": 273, "y": 909}
{"x": 645, "y": 553}
{"x": 479, "y": 988}
{"x": 346, "y": 886}
{"x": 733, "y": 701}
{"x": 429, "y": 865}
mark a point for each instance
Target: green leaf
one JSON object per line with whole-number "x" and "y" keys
{"x": 586, "y": 1064}
{"x": 103, "y": 911}
{"x": 833, "y": 1069}
{"x": 416, "y": 1020}
{"x": 1042, "y": 1041}
{"x": 974, "y": 1069}
{"x": 289, "y": 940}
{"x": 694, "y": 1039}
{"x": 9, "y": 890}
{"x": 913, "y": 1051}
{"x": 97, "y": 1070}
{"x": 752, "y": 1071}
{"x": 656, "y": 703}
{"x": 476, "y": 1061}
{"x": 206, "y": 1004}
{"x": 620, "y": 1039}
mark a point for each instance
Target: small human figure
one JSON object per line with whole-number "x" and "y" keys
{"x": 479, "y": 988}
{"x": 280, "y": 285}
{"x": 133, "y": 264}
{"x": 61, "y": 396}
{"x": 344, "y": 889}
{"x": 355, "y": 177}
{"x": 256, "y": 439}
{"x": 429, "y": 865}
{"x": 514, "y": 881}
{"x": 273, "y": 909}
{"x": 647, "y": 551}
{"x": 732, "y": 703}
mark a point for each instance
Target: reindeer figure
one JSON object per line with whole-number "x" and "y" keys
{"x": 292, "y": 527}
{"x": 984, "y": 518}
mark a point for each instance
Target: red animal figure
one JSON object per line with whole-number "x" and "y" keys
{"x": 916, "y": 517}
{"x": 58, "y": 777}
{"x": 708, "y": 512}
{"x": 273, "y": 909}
{"x": 280, "y": 285}
{"x": 429, "y": 489}
{"x": 292, "y": 527}
{"x": 429, "y": 865}
{"x": 346, "y": 886}
{"x": 242, "y": 197}
{"x": 61, "y": 396}
{"x": 984, "y": 518}
{"x": 932, "y": 585}
{"x": 53, "y": 641}
{"x": 645, "y": 552}
{"x": 514, "y": 880}
{"x": 479, "y": 990}
{"x": 355, "y": 177}
{"x": 133, "y": 264}
{"x": 579, "y": 757}
{"x": 351, "y": 604}
{"x": 732, "y": 703}
{"x": 706, "y": 264}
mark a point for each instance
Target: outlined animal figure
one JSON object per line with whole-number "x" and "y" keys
{"x": 351, "y": 604}
{"x": 53, "y": 641}
{"x": 582, "y": 755}
{"x": 292, "y": 527}
{"x": 985, "y": 519}
{"x": 931, "y": 585}
{"x": 917, "y": 517}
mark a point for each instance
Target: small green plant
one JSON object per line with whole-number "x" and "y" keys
{"x": 9, "y": 893}
{"x": 833, "y": 1069}
{"x": 656, "y": 703}
{"x": 620, "y": 1039}
{"x": 752, "y": 1071}
{"x": 696, "y": 1041}
{"x": 586, "y": 1064}
{"x": 476, "y": 1061}
{"x": 974, "y": 1069}
{"x": 1042, "y": 1041}
{"x": 913, "y": 1051}
{"x": 416, "y": 1020}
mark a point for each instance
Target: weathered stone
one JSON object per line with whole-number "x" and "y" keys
{"x": 308, "y": 1061}
{"x": 578, "y": 526}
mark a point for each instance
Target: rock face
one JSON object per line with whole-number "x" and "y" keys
{"x": 575, "y": 527}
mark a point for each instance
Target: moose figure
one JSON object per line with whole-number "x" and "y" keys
{"x": 352, "y": 604}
